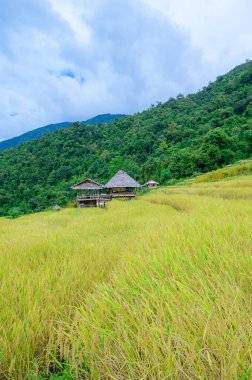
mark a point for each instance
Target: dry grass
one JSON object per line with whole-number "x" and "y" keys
{"x": 229, "y": 188}
{"x": 241, "y": 168}
{"x": 135, "y": 291}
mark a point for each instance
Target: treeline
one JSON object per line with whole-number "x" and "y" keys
{"x": 182, "y": 137}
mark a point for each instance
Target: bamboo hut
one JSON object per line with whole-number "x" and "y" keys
{"x": 150, "y": 184}
{"x": 89, "y": 194}
{"x": 122, "y": 186}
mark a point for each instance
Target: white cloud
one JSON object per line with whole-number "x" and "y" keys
{"x": 72, "y": 12}
{"x": 66, "y": 60}
{"x": 69, "y": 60}
{"x": 222, "y": 29}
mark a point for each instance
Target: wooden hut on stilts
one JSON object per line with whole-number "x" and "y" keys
{"x": 122, "y": 186}
{"x": 89, "y": 194}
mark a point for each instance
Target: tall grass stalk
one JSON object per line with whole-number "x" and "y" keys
{"x": 156, "y": 288}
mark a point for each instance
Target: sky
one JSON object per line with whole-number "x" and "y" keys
{"x": 68, "y": 60}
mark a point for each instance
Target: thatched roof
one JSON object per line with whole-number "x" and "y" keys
{"x": 88, "y": 184}
{"x": 121, "y": 179}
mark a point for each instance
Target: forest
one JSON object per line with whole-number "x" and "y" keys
{"x": 182, "y": 137}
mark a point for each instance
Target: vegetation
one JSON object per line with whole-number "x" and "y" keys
{"x": 35, "y": 133}
{"x": 242, "y": 167}
{"x": 105, "y": 118}
{"x": 158, "y": 287}
{"x": 180, "y": 138}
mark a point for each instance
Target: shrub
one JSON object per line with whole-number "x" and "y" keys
{"x": 14, "y": 213}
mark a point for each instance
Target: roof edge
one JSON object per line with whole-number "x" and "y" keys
{"x": 87, "y": 180}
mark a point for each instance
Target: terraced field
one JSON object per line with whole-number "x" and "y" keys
{"x": 155, "y": 288}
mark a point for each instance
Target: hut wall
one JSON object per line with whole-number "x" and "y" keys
{"x": 87, "y": 203}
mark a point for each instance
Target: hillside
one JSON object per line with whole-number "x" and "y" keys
{"x": 35, "y": 133}
{"x": 106, "y": 118}
{"x": 158, "y": 287}
{"x": 176, "y": 139}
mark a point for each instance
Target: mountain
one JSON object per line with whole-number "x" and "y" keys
{"x": 106, "y": 118}
{"x": 31, "y": 135}
{"x": 180, "y": 138}
{"x": 34, "y": 134}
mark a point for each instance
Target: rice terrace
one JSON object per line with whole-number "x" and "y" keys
{"x": 155, "y": 288}
{"x": 126, "y": 190}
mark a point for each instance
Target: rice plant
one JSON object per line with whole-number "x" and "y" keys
{"x": 155, "y": 288}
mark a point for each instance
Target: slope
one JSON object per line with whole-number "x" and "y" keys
{"x": 155, "y": 288}
{"x": 179, "y": 138}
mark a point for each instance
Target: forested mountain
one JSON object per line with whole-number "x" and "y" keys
{"x": 175, "y": 139}
{"x": 102, "y": 119}
{"x": 38, "y": 132}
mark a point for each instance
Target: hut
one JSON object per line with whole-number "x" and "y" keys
{"x": 89, "y": 194}
{"x": 151, "y": 184}
{"x": 122, "y": 186}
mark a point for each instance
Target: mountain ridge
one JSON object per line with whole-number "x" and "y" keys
{"x": 38, "y": 132}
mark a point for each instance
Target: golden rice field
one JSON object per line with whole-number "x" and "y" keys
{"x": 156, "y": 288}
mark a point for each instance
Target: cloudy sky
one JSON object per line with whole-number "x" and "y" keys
{"x": 66, "y": 60}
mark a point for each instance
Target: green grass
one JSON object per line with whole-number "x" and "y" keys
{"x": 155, "y": 288}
